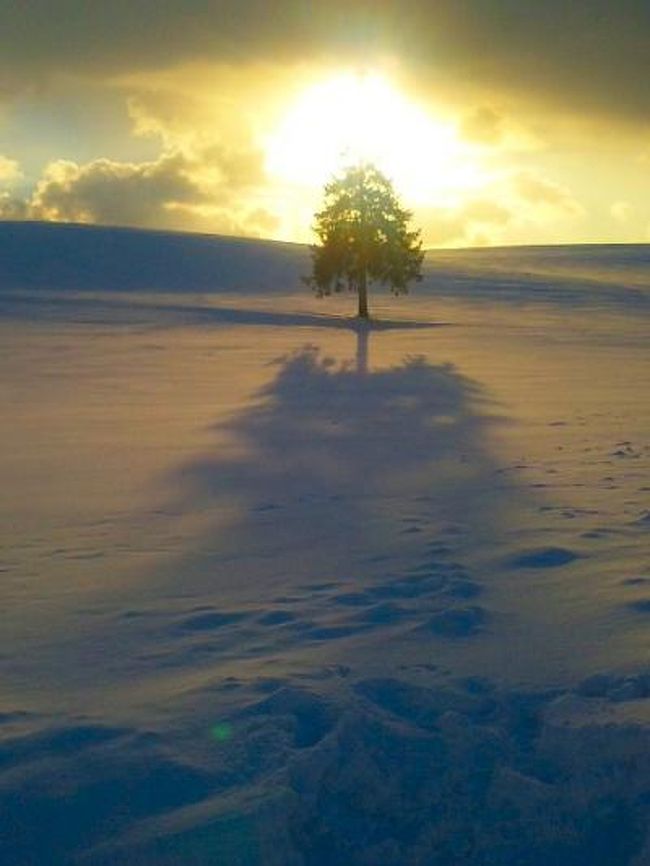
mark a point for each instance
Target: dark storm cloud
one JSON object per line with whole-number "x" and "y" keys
{"x": 589, "y": 55}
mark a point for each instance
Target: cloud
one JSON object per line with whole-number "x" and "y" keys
{"x": 201, "y": 192}
{"x": 217, "y": 140}
{"x": 510, "y": 207}
{"x": 473, "y": 223}
{"x": 591, "y": 57}
{"x": 9, "y": 170}
{"x": 539, "y": 191}
{"x": 483, "y": 125}
{"x": 242, "y": 221}
{"x": 109, "y": 192}
{"x": 208, "y": 175}
{"x": 486, "y": 212}
{"x": 13, "y": 207}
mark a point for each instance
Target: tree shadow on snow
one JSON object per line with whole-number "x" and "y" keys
{"x": 115, "y": 310}
{"x": 354, "y": 490}
{"x": 348, "y": 507}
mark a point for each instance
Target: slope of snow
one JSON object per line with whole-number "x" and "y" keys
{"x": 281, "y": 589}
{"x": 60, "y": 257}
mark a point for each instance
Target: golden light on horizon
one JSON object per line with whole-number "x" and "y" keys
{"x": 363, "y": 117}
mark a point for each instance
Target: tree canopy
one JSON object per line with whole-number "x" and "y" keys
{"x": 364, "y": 236}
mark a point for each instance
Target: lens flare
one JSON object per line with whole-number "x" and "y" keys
{"x": 221, "y": 732}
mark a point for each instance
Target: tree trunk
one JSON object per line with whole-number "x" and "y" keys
{"x": 362, "y": 289}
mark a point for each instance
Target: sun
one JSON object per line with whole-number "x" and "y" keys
{"x": 364, "y": 117}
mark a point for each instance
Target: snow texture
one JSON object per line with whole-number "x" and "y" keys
{"x": 283, "y": 589}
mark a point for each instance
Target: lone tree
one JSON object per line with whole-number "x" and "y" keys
{"x": 364, "y": 237}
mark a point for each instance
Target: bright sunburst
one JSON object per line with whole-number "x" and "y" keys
{"x": 351, "y": 117}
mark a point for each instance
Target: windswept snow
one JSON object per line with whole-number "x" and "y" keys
{"x": 281, "y": 589}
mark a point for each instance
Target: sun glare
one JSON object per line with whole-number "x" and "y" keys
{"x": 352, "y": 117}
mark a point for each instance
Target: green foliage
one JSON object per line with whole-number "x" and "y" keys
{"x": 364, "y": 236}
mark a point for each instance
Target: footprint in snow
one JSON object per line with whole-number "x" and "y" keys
{"x": 209, "y": 620}
{"x": 277, "y": 617}
{"x": 456, "y": 622}
{"x": 641, "y": 605}
{"x": 543, "y": 557}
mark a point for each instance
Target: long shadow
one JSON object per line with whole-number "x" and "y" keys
{"x": 353, "y": 492}
{"x": 325, "y": 427}
{"x": 346, "y": 473}
{"x": 344, "y": 469}
{"x": 118, "y": 310}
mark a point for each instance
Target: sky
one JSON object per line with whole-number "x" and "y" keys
{"x": 499, "y": 121}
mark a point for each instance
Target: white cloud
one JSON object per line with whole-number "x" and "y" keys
{"x": 197, "y": 183}
{"x": 105, "y": 191}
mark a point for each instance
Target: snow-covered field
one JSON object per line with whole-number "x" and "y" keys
{"x": 282, "y": 591}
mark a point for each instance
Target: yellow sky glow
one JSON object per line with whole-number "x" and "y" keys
{"x": 246, "y": 148}
{"x": 350, "y": 117}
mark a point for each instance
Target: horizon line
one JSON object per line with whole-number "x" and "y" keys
{"x": 58, "y": 224}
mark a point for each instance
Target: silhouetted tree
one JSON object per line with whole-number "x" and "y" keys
{"x": 364, "y": 236}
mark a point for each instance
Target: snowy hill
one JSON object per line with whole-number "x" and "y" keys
{"x": 63, "y": 258}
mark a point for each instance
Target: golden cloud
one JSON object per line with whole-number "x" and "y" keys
{"x": 539, "y": 191}
{"x": 519, "y": 199}
{"x": 484, "y": 125}
{"x": 13, "y": 207}
{"x": 9, "y": 170}
{"x": 170, "y": 192}
{"x": 474, "y": 223}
